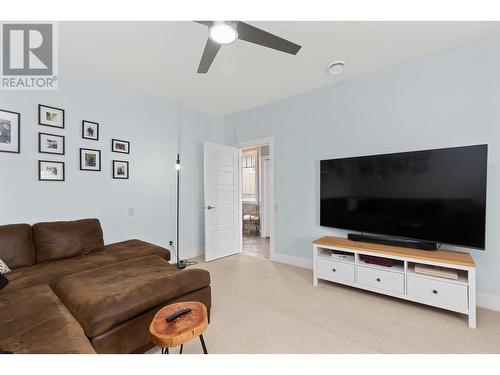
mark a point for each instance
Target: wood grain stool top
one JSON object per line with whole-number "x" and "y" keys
{"x": 181, "y": 330}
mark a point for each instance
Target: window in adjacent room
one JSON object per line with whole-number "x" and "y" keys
{"x": 249, "y": 176}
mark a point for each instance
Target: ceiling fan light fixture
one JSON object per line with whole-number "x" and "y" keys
{"x": 222, "y": 33}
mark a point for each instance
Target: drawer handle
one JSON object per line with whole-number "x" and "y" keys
{"x": 435, "y": 291}
{"x": 334, "y": 270}
{"x": 378, "y": 279}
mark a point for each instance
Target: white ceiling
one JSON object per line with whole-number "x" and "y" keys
{"x": 161, "y": 58}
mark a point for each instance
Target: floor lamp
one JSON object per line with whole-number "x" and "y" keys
{"x": 180, "y": 264}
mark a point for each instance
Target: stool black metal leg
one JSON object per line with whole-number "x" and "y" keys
{"x": 203, "y": 345}
{"x": 182, "y": 345}
{"x": 164, "y": 350}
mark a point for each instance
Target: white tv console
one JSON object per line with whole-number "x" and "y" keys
{"x": 400, "y": 280}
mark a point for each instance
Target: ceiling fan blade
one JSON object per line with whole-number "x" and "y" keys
{"x": 206, "y": 23}
{"x": 258, "y": 36}
{"x": 209, "y": 53}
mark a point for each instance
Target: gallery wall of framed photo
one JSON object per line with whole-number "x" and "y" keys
{"x": 54, "y": 144}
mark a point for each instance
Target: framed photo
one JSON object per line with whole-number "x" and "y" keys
{"x": 50, "y": 144}
{"x": 50, "y": 116}
{"x": 90, "y": 160}
{"x": 120, "y": 169}
{"x": 90, "y": 130}
{"x": 50, "y": 170}
{"x": 120, "y": 146}
{"x": 10, "y": 131}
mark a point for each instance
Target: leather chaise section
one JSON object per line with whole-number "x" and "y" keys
{"x": 105, "y": 297}
{"x": 34, "y": 320}
{"x": 133, "y": 335}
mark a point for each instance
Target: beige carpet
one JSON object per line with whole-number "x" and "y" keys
{"x": 265, "y": 307}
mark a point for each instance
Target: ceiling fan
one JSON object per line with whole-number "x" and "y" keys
{"x": 226, "y": 32}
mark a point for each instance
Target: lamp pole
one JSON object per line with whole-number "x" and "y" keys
{"x": 180, "y": 263}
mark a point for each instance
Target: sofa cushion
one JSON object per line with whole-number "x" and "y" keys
{"x": 34, "y": 320}
{"x": 64, "y": 239}
{"x": 16, "y": 245}
{"x": 105, "y": 297}
{"x": 48, "y": 272}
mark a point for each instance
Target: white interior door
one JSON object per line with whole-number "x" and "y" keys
{"x": 221, "y": 201}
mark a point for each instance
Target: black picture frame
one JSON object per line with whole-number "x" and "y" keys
{"x": 83, "y": 130}
{"x": 115, "y": 176}
{"x": 82, "y": 166}
{"x": 114, "y": 141}
{"x": 40, "y": 134}
{"x": 41, "y": 106}
{"x": 18, "y": 149}
{"x": 54, "y": 162}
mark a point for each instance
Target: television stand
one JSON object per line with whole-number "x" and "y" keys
{"x": 340, "y": 260}
{"x": 393, "y": 241}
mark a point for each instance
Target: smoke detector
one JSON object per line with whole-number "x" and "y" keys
{"x": 336, "y": 67}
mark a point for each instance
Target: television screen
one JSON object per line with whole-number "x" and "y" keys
{"x": 434, "y": 195}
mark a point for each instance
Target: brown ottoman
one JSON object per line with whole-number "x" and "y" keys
{"x": 104, "y": 298}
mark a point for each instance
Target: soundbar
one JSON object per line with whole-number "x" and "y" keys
{"x": 393, "y": 241}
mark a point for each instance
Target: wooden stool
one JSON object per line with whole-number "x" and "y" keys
{"x": 181, "y": 330}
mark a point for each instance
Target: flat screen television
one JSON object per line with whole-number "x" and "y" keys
{"x": 434, "y": 195}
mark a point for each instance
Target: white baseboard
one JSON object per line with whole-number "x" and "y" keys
{"x": 488, "y": 301}
{"x": 192, "y": 253}
{"x": 293, "y": 261}
{"x": 188, "y": 254}
{"x": 484, "y": 300}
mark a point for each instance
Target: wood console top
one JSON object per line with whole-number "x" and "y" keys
{"x": 444, "y": 256}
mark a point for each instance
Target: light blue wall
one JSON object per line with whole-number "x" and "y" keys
{"x": 444, "y": 100}
{"x": 196, "y": 129}
{"x": 150, "y": 124}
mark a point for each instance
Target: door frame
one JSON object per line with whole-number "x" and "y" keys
{"x": 263, "y": 199}
{"x": 269, "y": 141}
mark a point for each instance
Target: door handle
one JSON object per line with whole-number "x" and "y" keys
{"x": 210, "y": 207}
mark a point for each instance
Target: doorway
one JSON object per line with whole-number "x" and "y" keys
{"x": 256, "y": 198}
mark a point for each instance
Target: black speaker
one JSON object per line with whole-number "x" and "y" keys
{"x": 392, "y": 241}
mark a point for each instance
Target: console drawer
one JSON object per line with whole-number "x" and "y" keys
{"x": 380, "y": 279}
{"x": 335, "y": 271}
{"x": 437, "y": 292}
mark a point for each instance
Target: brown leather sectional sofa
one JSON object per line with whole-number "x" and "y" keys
{"x": 69, "y": 293}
